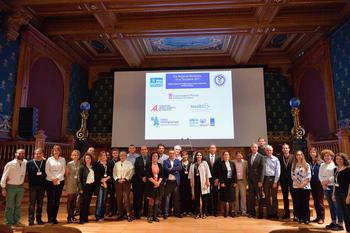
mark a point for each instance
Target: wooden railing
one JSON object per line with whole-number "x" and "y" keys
{"x": 329, "y": 144}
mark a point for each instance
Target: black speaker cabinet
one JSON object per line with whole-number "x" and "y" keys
{"x": 28, "y": 122}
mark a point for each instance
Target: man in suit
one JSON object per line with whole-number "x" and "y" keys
{"x": 286, "y": 160}
{"x": 241, "y": 189}
{"x": 256, "y": 169}
{"x": 261, "y": 146}
{"x": 140, "y": 182}
{"x": 213, "y": 161}
{"x": 172, "y": 168}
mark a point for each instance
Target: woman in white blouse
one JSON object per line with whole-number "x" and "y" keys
{"x": 55, "y": 169}
{"x": 301, "y": 175}
{"x": 199, "y": 175}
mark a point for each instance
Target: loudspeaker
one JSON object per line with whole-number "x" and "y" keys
{"x": 28, "y": 122}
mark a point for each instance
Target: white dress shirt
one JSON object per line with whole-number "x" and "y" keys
{"x": 212, "y": 159}
{"x": 91, "y": 176}
{"x": 229, "y": 170}
{"x": 171, "y": 177}
{"x": 14, "y": 173}
{"x": 55, "y": 168}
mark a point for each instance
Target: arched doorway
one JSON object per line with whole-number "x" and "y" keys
{"x": 313, "y": 104}
{"x": 46, "y": 92}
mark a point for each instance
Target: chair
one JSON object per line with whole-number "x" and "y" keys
{"x": 50, "y": 229}
{"x": 5, "y": 229}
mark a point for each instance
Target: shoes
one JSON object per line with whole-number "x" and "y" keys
{"x": 331, "y": 225}
{"x": 225, "y": 214}
{"x": 295, "y": 219}
{"x": 286, "y": 217}
{"x": 55, "y": 221}
{"x": 69, "y": 220}
{"x": 129, "y": 218}
{"x": 315, "y": 220}
{"x": 196, "y": 216}
{"x": 204, "y": 216}
{"x": 82, "y": 222}
{"x": 165, "y": 216}
{"x": 100, "y": 220}
{"x": 306, "y": 221}
{"x": 337, "y": 227}
{"x": 31, "y": 223}
{"x": 110, "y": 215}
{"x": 178, "y": 215}
{"x": 149, "y": 219}
{"x": 320, "y": 221}
{"x": 19, "y": 224}
{"x": 155, "y": 219}
{"x": 40, "y": 222}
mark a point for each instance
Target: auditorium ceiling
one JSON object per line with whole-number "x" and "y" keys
{"x": 163, "y": 33}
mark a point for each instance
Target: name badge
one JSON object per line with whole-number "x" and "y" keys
{"x": 38, "y": 173}
{"x": 186, "y": 172}
{"x": 336, "y": 185}
{"x": 59, "y": 182}
{"x": 75, "y": 177}
{"x": 197, "y": 174}
{"x": 104, "y": 175}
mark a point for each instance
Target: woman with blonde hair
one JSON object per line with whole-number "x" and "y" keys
{"x": 55, "y": 169}
{"x": 72, "y": 189}
{"x": 301, "y": 176}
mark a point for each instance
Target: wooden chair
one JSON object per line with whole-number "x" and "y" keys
{"x": 51, "y": 229}
{"x": 5, "y": 229}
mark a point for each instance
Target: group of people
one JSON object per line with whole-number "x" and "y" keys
{"x": 180, "y": 183}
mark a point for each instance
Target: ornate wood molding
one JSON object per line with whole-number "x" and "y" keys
{"x": 15, "y": 21}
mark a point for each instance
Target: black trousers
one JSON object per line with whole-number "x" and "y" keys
{"x": 112, "y": 197}
{"x": 54, "y": 193}
{"x": 138, "y": 189}
{"x": 341, "y": 200}
{"x": 254, "y": 192}
{"x": 317, "y": 196}
{"x": 186, "y": 198}
{"x": 197, "y": 197}
{"x": 302, "y": 198}
{"x": 213, "y": 199}
{"x": 286, "y": 189}
{"x": 85, "y": 200}
{"x": 36, "y": 197}
{"x": 172, "y": 192}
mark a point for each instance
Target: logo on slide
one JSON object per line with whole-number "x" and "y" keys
{"x": 156, "y": 82}
{"x": 212, "y": 121}
{"x": 154, "y": 108}
{"x": 162, "y": 108}
{"x": 220, "y": 80}
{"x": 200, "y": 107}
{"x": 155, "y": 121}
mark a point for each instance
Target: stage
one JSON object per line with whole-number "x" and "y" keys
{"x": 186, "y": 224}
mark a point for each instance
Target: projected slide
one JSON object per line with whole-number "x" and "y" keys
{"x": 194, "y": 105}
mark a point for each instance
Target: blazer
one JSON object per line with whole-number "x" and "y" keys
{"x": 83, "y": 174}
{"x": 127, "y": 169}
{"x": 149, "y": 174}
{"x": 222, "y": 173}
{"x": 140, "y": 168}
{"x": 286, "y": 171}
{"x": 213, "y": 168}
{"x": 256, "y": 171}
{"x": 173, "y": 171}
{"x": 100, "y": 172}
{"x": 244, "y": 170}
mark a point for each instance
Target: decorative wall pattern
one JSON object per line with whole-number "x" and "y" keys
{"x": 78, "y": 92}
{"x": 8, "y": 74}
{"x": 340, "y": 50}
{"x": 101, "y": 113}
{"x": 277, "y": 95}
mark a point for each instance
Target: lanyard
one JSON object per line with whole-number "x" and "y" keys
{"x": 285, "y": 162}
{"x": 41, "y": 163}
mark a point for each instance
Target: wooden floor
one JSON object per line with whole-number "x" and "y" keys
{"x": 186, "y": 224}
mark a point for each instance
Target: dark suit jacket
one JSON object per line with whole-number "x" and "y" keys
{"x": 83, "y": 174}
{"x": 140, "y": 168}
{"x": 222, "y": 173}
{"x": 173, "y": 171}
{"x": 286, "y": 176}
{"x": 256, "y": 171}
{"x": 213, "y": 168}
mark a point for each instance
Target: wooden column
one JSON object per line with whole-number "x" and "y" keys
{"x": 343, "y": 140}
{"x": 40, "y": 139}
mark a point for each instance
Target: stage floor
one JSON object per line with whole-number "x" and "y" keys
{"x": 186, "y": 224}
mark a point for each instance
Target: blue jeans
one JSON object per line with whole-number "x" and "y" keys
{"x": 336, "y": 211}
{"x": 101, "y": 203}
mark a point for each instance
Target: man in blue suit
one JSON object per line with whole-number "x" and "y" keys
{"x": 172, "y": 168}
